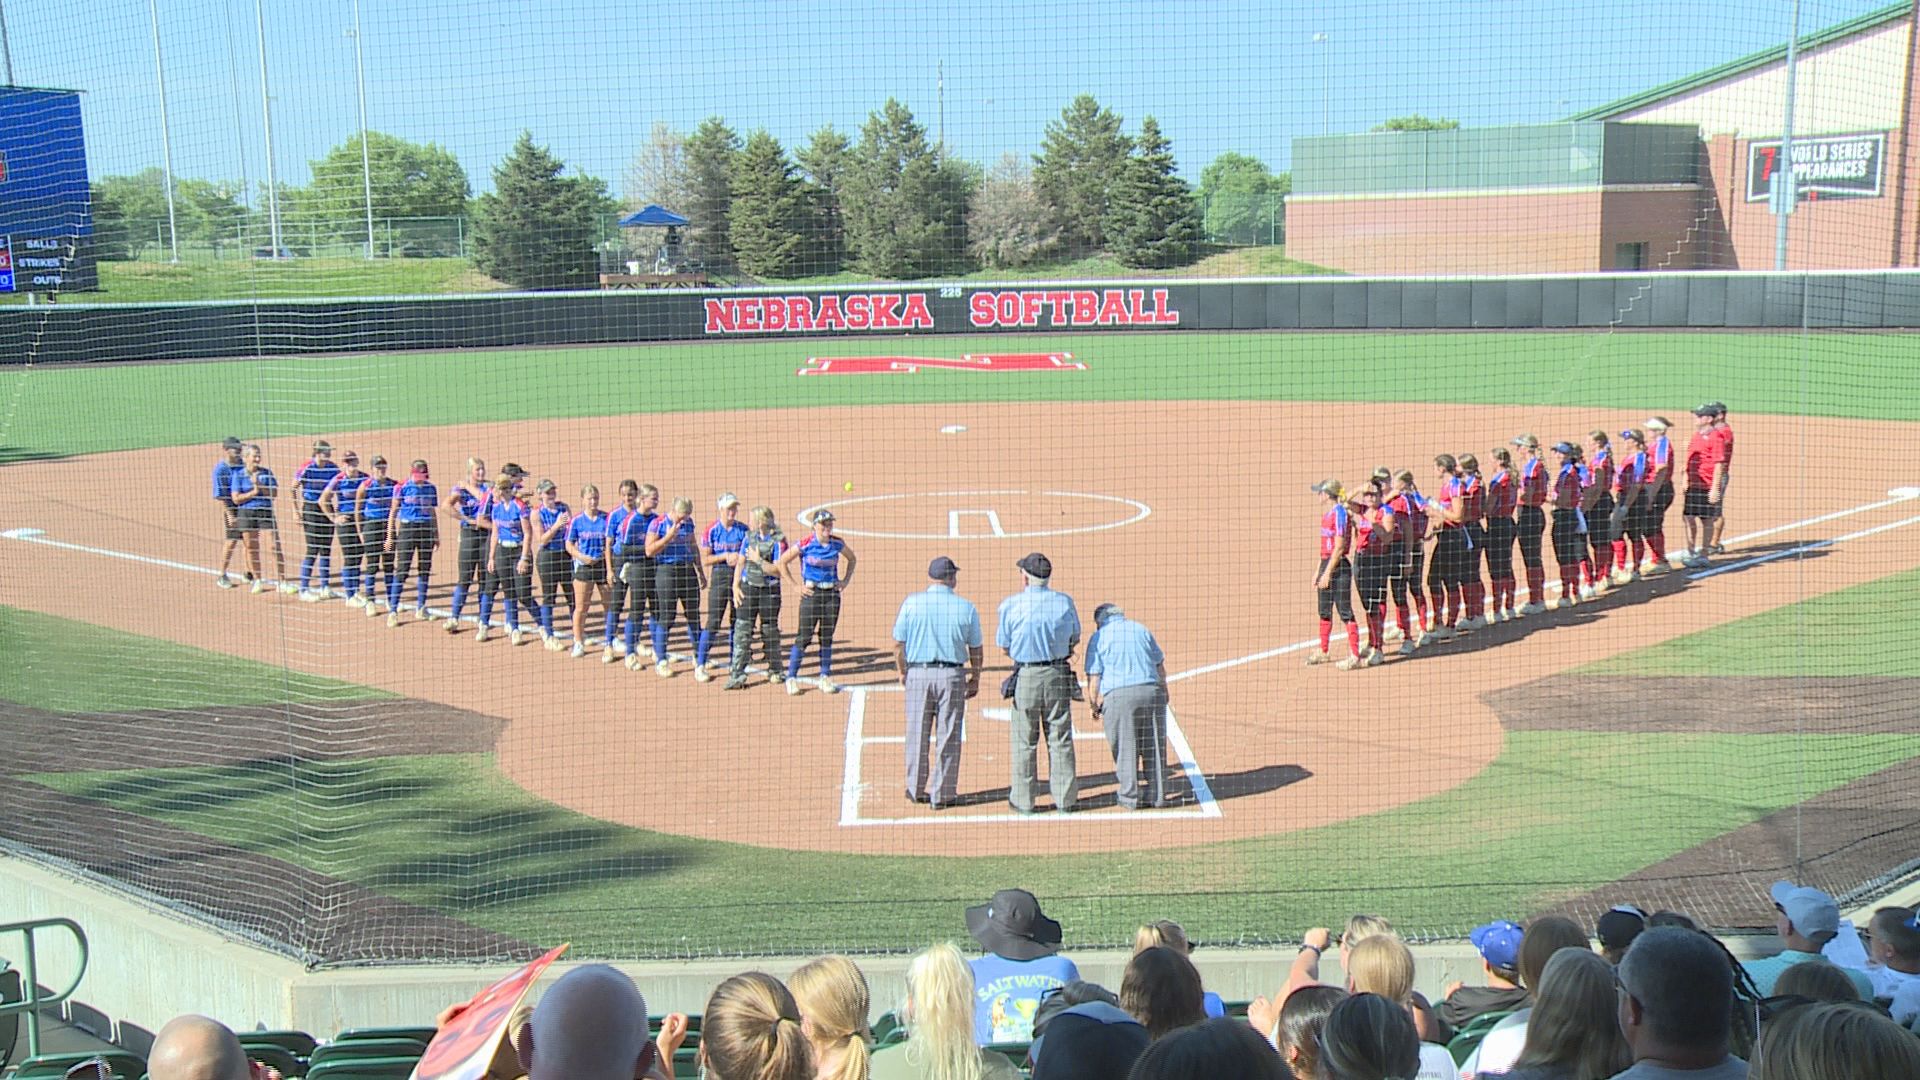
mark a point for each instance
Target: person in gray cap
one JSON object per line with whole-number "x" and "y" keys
{"x": 1806, "y": 920}
{"x": 1039, "y": 629}
{"x": 938, "y": 649}
{"x": 1127, "y": 687}
{"x": 230, "y": 462}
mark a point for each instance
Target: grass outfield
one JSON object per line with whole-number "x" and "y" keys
{"x": 77, "y": 410}
{"x": 1553, "y": 816}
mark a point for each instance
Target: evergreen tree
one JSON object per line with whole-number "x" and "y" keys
{"x": 825, "y": 163}
{"x": 905, "y": 207}
{"x": 768, "y": 210}
{"x": 708, "y": 154}
{"x": 1080, "y": 160}
{"x": 537, "y": 229}
{"x": 1153, "y": 221}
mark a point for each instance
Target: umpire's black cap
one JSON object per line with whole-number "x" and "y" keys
{"x": 1038, "y": 565}
{"x": 942, "y": 567}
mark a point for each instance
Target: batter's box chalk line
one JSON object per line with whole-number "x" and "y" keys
{"x": 970, "y": 515}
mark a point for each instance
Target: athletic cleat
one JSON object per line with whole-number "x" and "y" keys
{"x": 1406, "y": 648}
{"x": 1717, "y": 549}
{"x": 1445, "y": 633}
{"x": 1535, "y": 608}
{"x": 646, "y": 652}
{"x": 326, "y": 592}
{"x": 1429, "y": 639}
{"x": 776, "y": 677}
{"x": 372, "y": 607}
{"x": 1315, "y": 659}
{"x": 1507, "y": 615}
{"x": 452, "y": 626}
{"x": 1563, "y": 603}
{"x": 257, "y": 587}
{"x": 618, "y": 648}
{"x": 793, "y": 687}
{"x": 1587, "y": 592}
{"x": 1348, "y": 664}
{"x": 224, "y": 582}
{"x": 663, "y": 669}
{"x": 735, "y": 682}
{"x": 420, "y": 612}
{"x": 606, "y": 655}
{"x": 701, "y": 674}
{"x": 826, "y": 685}
{"x": 1393, "y": 633}
{"x": 308, "y": 596}
{"x": 1624, "y": 577}
{"x": 633, "y": 662}
{"x": 289, "y": 588}
{"x": 515, "y": 636}
{"x": 480, "y": 635}
{"x": 579, "y": 650}
{"x": 393, "y": 619}
{"x": 1372, "y": 658}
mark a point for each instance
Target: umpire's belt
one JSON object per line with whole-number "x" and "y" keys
{"x": 1061, "y": 662}
{"x": 933, "y": 663}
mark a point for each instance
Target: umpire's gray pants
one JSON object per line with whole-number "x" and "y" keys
{"x": 1043, "y": 697}
{"x": 936, "y": 706}
{"x": 1136, "y": 721}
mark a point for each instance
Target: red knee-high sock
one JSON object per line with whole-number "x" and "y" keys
{"x": 1353, "y": 639}
{"x": 1620, "y": 555}
{"x": 1570, "y": 580}
{"x": 1537, "y": 584}
{"x": 1377, "y": 625}
{"x": 1470, "y": 594}
{"x": 1400, "y": 620}
{"x": 1326, "y": 634}
{"x": 1586, "y": 570}
{"x": 1657, "y": 543}
{"x": 1420, "y": 609}
{"x": 1639, "y": 554}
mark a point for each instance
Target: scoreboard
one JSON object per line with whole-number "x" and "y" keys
{"x": 46, "y": 216}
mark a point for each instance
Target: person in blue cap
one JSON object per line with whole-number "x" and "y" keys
{"x": 1499, "y": 945}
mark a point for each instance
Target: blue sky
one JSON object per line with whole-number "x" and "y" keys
{"x": 589, "y": 80}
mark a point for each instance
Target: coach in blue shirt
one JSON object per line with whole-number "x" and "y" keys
{"x": 1127, "y": 687}
{"x": 1039, "y": 629}
{"x": 938, "y": 649}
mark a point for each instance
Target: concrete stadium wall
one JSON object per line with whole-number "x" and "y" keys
{"x": 94, "y": 333}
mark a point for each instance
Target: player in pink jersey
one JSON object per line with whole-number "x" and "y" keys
{"x": 1503, "y": 500}
{"x": 1333, "y": 582}
{"x": 1659, "y": 483}
{"x": 1408, "y": 580}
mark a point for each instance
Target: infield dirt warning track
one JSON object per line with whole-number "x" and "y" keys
{"x": 1195, "y": 517}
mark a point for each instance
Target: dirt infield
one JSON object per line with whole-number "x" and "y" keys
{"x": 1219, "y": 567}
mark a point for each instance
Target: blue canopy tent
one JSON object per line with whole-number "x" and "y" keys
{"x": 650, "y": 215}
{"x": 666, "y": 258}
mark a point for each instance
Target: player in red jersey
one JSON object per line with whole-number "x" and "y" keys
{"x": 1334, "y": 580}
{"x": 1718, "y": 523}
{"x": 1503, "y": 498}
{"x": 1630, "y": 506}
{"x": 1448, "y": 573}
{"x": 1569, "y": 522}
{"x": 1659, "y": 484}
{"x": 1599, "y": 506}
{"x": 1374, "y": 532}
{"x": 1706, "y": 477}
{"x": 1408, "y": 579}
{"x": 1530, "y": 522}
{"x": 1473, "y": 513}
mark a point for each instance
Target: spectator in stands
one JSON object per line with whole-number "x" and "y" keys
{"x": 1020, "y": 965}
{"x": 1816, "y": 980}
{"x": 1161, "y": 989}
{"x": 1672, "y": 918}
{"x": 1676, "y": 1005}
{"x": 1169, "y": 934}
{"x": 1806, "y": 920}
{"x": 1383, "y": 965}
{"x": 1545, "y": 936}
{"x": 1893, "y": 958}
{"x": 591, "y": 1024}
{"x": 834, "y": 1003}
{"x": 1264, "y": 1012}
{"x": 196, "y": 1048}
{"x": 1616, "y": 930}
{"x": 751, "y": 1031}
{"x": 1572, "y": 1033}
{"x": 1835, "y": 1042}
{"x": 1499, "y": 945}
{"x": 1306, "y": 972}
{"x": 1055, "y": 1002}
{"x": 1301, "y": 1020}
{"x": 1210, "y": 1051}
{"x": 1367, "y": 1037}
{"x": 939, "y": 1017}
{"x": 1094, "y": 1040}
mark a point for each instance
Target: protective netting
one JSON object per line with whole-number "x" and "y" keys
{"x": 1118, "y": 285}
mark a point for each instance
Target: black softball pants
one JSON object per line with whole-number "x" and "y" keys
{"x": 1338, "y": 595}
{"x": 1531, "y": 523}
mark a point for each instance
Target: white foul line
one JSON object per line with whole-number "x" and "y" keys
{"x": 850, "y": 784}
{"x": 36, "y": 536}
{"x": 1894, "y": 501}
{"x": 1802, "y": 549}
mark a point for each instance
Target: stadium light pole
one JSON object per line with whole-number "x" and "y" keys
{"x": 166, "y": 132}
{"x": 1326, "y": 74}
{"x": 266, "y": 115}
{"x": 366, "y": 161}
{"x": 6, "y": 45}
{"x": 1786, "y": 189}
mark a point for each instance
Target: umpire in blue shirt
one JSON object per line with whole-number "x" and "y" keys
{"x": 938, "y": 648}
{"x": 1127, "y": 687}
{"x": 1039, "y": 629}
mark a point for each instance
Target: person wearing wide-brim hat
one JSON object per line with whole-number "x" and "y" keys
{"x": 1021, "y": 965}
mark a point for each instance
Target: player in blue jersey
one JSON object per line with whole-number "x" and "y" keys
{"x": 373, "y": 505}
{"x": 463, "y": 504}
{"x": 337, "y": 503}
{"x": 550, "y": 561}
{"x": 230, "y": 462}
{"x": 678, "y": 579}
{"x": 413, "y": 533}
{"x": 586, "y": 540}
{"x": 617, "y": 522}
{"x": 822, "y": 580}
{"x": 253, "y": 487}
{"x": 720, "y": 550}
{"x": 309, "y": 483}
{"x": 510, "y": 561}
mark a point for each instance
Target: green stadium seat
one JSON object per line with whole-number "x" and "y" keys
{"x": 1467, "y": 1038}
{"x": 298, "y": 1043}
{"x": 124, "y": 1065}
{"x": 420, "y": 1034}
{"x": 278, "y": 1058}
{"x": 1015, "y": 1052}
{"x": 888, "y": 1030}
{"x": 366, "y": 1048}
{"x": 1237, "y": 1009}
{"x": 368, "y": 1068}
{"x": 10, "y": 1023}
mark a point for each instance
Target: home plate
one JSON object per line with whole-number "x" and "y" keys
{"x": 953, "y": 429}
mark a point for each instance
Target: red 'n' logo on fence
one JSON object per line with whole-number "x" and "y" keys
{"x": 908, "y": 365}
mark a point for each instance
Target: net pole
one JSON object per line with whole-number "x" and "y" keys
{"x": 1783, "y": 207}
{"x": 166, "y": 132}
{"x": 366, "y": 164}
{"x": 266, "y": 115}
{"x": 6, "y": 46}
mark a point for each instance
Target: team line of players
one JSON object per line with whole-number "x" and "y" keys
{"x": 646, "y": 567}
{"x": 1608, "y": 503}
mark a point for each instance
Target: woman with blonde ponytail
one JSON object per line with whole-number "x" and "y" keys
{"x": 751, "y": 1031}
{"x": 939, "y": 1017}
{"x": 834, "y": 1002}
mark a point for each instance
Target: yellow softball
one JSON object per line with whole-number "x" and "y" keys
{"x": 848, "y": 486}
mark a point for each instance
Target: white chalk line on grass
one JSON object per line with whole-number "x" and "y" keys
{"x": 852, "y": 787}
